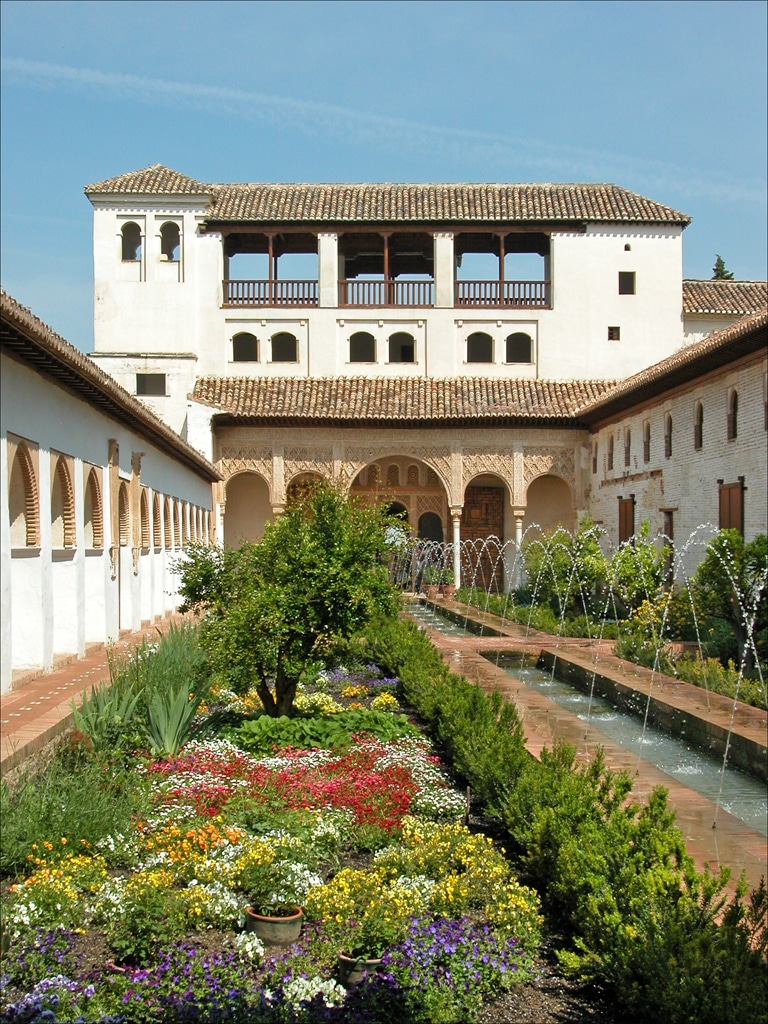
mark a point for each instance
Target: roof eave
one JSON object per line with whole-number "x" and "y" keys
{"x": 24, "y": 343}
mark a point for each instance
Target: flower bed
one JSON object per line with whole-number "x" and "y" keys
{"x": 224, "y": 829}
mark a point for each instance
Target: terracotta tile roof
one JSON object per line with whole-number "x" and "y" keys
{"x": 390, "y": 203}
{"x": 747, "y": 336}
{"x": 409, "y": 400}
{"x": 155, "y": 180}
{"x": 734, "y": 298}
{"x": 27, "y": 338}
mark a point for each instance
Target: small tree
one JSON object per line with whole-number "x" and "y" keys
{"x": 719, "y": 271}
{"x": 274, "y": 608}
{"x": 564, "y": 568}
{"x": 731, "y": 584}
{"x": 637, "y": 568}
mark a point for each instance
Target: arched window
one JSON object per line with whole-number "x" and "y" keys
{"x": 145, "y": 534}
{"x": 94, "y": 513}
{"x": 22, "y": 501}
{"x": 519, "y": 348}
{"x": 285, "y": 348}
{"x": 698, "y": 427}
{"x": 393, "y": 475}
{"x": 402, "y": 348}
{"x": 157, "y": 531}
{"x": 413, "y": 476}
{"x": 479, "y": 348}
{"x": 131, "y": 233}
{"x": 610, "y": 452}
{"x": 668, "y": 437}
{"x": 124, "y": 515}
{"x": 62, "y": 507}
{"x": 374, "y": 476}
{"x": 362, "y": 348}
{"x": 627, "y": 446}
{"x": 167, "y": 522}
{"x": 176, "y": 524}
{"x": 647, "y": 442}
{"x": 170, "y": 241}
{"x": 245, "y": 348}
{"x": 733, "y": 416}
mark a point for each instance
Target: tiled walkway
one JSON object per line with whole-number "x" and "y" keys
{"x": 34, "y": 713}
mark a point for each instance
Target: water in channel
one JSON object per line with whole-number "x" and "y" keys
{"x": 742, "y": 796}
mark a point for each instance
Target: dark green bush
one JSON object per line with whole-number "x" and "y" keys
{"x": 480, "y": 734}
{"x": 643, "y": 921}
{"x": 261, "y": 734}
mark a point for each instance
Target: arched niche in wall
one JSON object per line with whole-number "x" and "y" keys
{"x": 247, "y": 508}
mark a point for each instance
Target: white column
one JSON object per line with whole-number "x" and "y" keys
{"x": 518, "y": 514}
{"x": 328, "y": 269}
{"x": 444, "y": 269}
{"x": 456, "y": 520}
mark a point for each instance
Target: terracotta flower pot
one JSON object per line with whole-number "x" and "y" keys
{"x": 449, "y": 591}
{"x": 351, "y": 970}
{"x": 432, "y": 589}
{"x": 275, "y": 931}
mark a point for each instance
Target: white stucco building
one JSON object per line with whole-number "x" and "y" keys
{"x": 99, "y": 498}
{"x": 445, "y": 348}
{"x": 480, "y": 357}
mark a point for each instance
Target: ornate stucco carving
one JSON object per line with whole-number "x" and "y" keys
{"x": 559, "y": 461}
{"x": 431, "y": 503}
{"x": 244, "y": 458}
{"x": 306, "y": 459}
{"x": 498, "y": 460}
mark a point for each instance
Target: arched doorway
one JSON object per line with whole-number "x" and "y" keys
{"x": 549, "y": 504}
{"x": 431, "y": 527}
{"x": 247, "y": 509}
{"x": 485, "y": 521}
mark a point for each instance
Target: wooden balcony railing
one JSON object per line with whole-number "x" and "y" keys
{"x": 509, "y": 294}
{"x": 386, "y": 293}
{"x": 270, "y": 293}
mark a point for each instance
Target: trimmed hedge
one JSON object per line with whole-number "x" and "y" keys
{"x": 664, "y": 939}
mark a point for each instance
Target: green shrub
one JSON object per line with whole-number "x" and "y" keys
{"x": 173, "y": 660}
{"x": 107, "y": 717}
{"x": 260, "y": 734}
{"x": 83, "y": 800}
{"x": 480, "y": 734}
{"x": 170, "y": 719}
{"x": 643, "y": 921}
{"x": 711, "y": 675}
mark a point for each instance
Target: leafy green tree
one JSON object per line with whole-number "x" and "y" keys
{"x": 731, "y": 584}
{"x": 565, "y": 568}
{"x": 637, "y": 569}
{"x": 719, "y": 271}
{"x": 295, "y": 598}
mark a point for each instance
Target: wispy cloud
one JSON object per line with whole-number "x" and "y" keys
{"x": 465, "y": 148}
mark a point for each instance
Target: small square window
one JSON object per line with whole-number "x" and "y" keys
{"x": 150, "y": 384}
{"x": 614, "y": 334}
{"x": 626, "y": 282}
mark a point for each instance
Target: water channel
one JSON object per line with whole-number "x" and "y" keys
{"x": 741, "y": 796}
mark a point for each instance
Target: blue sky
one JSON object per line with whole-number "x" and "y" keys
{"x": 667, "y": 99}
